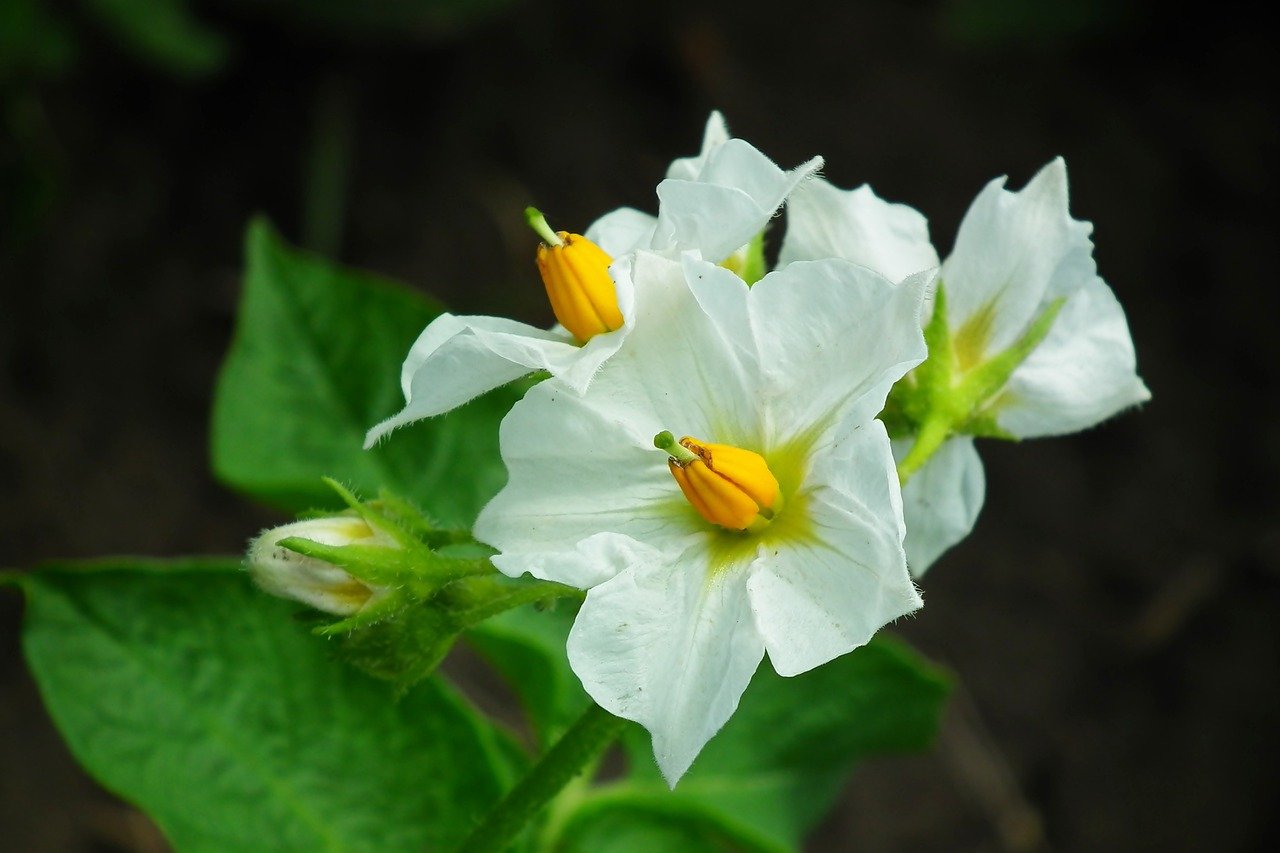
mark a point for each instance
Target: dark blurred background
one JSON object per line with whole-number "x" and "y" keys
{"x": 1113, "y": 620}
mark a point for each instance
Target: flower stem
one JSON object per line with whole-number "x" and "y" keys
{"x": 573, "y": 753}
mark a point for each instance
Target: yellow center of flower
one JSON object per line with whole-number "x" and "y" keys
{"x": 728, "y": 486}
{"x": 576, "y": 274}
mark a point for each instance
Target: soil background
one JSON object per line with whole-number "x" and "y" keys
{"x": 1113, "y": 619}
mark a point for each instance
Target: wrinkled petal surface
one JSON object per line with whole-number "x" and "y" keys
{"x": 846, "y": 578}
{"x": 941, "y": 501}
{"x": 1082, "y": 373}
{"x": 859, "y": 226}
{"x": 456, "y": 359}
{"x": 622, "y": 231}
{"x": 671, "y": 646}
{"x": 731, "y": 199}
{"x": 1015, "y": 254}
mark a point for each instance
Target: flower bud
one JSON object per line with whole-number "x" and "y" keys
{"x": 318, "y": 583}
{"x": 728, "y": 486}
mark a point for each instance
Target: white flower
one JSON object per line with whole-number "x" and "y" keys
{"x": 790, "y": 374}
{"x": 711, "y": 204}
{"x": 1018, "y": 257}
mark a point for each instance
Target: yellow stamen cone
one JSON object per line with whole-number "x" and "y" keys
{"x": 728, "y": 486}
{"x": 575, "y": 272}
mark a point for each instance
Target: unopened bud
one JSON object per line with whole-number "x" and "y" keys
{"x": 318, "y": 583}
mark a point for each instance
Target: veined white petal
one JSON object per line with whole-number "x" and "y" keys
{"x": 734, "y": 195}
{"x": 829, "y": 591}
{"x": 581, "y": 466}
{"x": 715, "y": 135}
{"x": 859, "y": 226}
{"x": 1016, "y": 253}
{"x": 941, "y": 501}
{"x": 458, "y": 358}
{"x": 1083, "y": 372}
{"x": 671, "y": 646}
{"x": 622, "y": 231}
{"x": 833, "y": 337}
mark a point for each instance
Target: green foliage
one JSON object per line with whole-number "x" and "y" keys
{"x": 163, "y": 33}
{"x": 762, "y": 782}
{"x": 397, "y": 19}
{"x": 315, "y": 362}
{"x": 190, "y": 693}
{"x": 779, "y": 763}
{"x": 526, "y": 645}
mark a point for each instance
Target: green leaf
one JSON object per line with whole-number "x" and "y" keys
{"x": 315, "y": 362}
{"x": 527, "y": 646}
{"x": 189, "y": 693}
{"x": 163, "y": 33}
{"x": 777, "y": 766}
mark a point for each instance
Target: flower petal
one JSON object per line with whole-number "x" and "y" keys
{"x": 715, "y": 135}
{"x": 859, "y": 226}
{"x": 458, "y": 358}
{"x": 1014, "y": 255}
{"x": 622, "y": 231}
{"x": 731, "y": 199}
{"x": 941, "y": 501}
{"x": 830, "y": 591}
{"x": 1083, "y": 372}
{"x": 671, "y": 646}
{"x": 833, "y": 338}
{"x": 580, "y": 466}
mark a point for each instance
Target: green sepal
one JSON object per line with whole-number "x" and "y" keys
{"x": 402, "y": 639}
{"x": 982, "y": 385}
{"x": 754, "y": 266}
{"x": 944, "y": 396}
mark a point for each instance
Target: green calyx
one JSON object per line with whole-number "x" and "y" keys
{"x": 432, "y": 584}
{"x": 748, "y": 263}
{"x": 958, "y": 389}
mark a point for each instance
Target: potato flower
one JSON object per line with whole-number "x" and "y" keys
{"x": 712, "y": 204}
{"x": 1026, "y": 339}
{"x": 774, "y": 524}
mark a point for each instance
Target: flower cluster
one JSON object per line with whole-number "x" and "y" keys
{"x": 733, "y": 461}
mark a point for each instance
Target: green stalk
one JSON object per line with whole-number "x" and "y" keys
{"x": 571, "y": 755}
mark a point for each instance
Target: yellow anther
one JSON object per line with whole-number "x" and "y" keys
{"x": 727, "y": 485}
{"x": 576, "y": 274}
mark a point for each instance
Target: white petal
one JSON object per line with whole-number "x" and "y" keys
{"x": 458, "y": 358}
{"x": 671, "y": 647}
{"x": 732, "y": 198}
{"x": 859, "y": 226}
{"x": 828, "y": 593}
{"x": 715, "y": 135}
{"x": 1082, "y": 373}
{"x": 941, "y": 501}
{"x": 833, "y": 338}
{"x": 622, "y": 231}
{"x": 1016, "y": 253}
{"x": 578, "y": 467}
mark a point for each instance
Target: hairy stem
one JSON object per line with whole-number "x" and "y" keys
{"x": 572, "y": 754}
